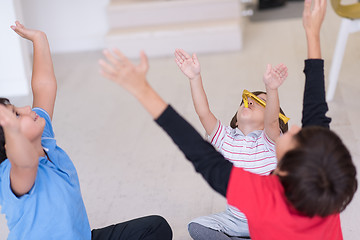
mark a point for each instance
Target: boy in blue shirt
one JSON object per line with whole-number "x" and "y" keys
{"x": 39, "y": 186}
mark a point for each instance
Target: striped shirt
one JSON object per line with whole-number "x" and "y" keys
{"x": 254, "y": 152}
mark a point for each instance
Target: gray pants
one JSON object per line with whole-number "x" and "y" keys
{"x": 199, "y": 232}
{"x": 224, "y": 222}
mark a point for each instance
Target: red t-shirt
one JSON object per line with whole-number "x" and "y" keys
{"x": 270, "y": 216}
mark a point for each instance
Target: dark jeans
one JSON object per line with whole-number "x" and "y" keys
{"x": 146, "y": 228}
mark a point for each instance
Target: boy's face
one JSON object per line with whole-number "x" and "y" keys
{"x": 286, "y": 142}
{"x": 254, "y": 114}
{"x": 31, "y": 125}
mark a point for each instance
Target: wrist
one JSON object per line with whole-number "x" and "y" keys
{"x": 195, "y": 77}
{"x": 38, "y": 36}
{"x": 141, "y": 91}
{"x": 270, "y": 90}
{"x": 312, "y": 35}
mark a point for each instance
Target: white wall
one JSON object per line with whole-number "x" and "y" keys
{"x": 71, "y": 25}
{"x": 14, "y": 67}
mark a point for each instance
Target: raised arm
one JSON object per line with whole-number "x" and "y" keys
{"x": 206, "y": 160}
{"x": 314, "y": 103}
{"x": 313, "y": 18}
{"x": 43, "y": 82}
{"x": 20, "y": 152}
{"x": 273, "y": 78}
{"x": 190, "y": 66}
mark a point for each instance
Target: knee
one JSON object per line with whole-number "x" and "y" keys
{"x": 193, "y": 229}
{"x": 162, "y": 226}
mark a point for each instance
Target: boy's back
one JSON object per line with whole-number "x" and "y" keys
{"x": 269, "y": 214}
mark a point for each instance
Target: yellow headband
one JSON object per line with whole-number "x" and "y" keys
{"x": 247, "y": 94}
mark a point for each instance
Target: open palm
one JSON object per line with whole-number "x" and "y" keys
{"x": 190, "y": 66}
{"x": 274, "y": 77}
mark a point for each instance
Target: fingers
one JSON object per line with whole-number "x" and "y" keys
{"x": 18, "y": 27}
{"x": 184, "y": 54}
{"x": 121, "y": 58}
{"x": 195, "y": 59}
{"x": 107, "y": 75}
{"x": 177, "y": 61}
{"x": 307, "y": 8}
{"x": 107, "y": 67}
{"x": 281, "y": 70}
{"x": 268, "y": 68}
{"x": 323, "y": 4}
{"x": 118, "y": 65}
{"x": 179, "y": 58}
{"x": 111, "y": 58}
{"x": 144, "y": 62}
{"x": 316, "y": 4}
{"x": 177, "y": 54}
{"x": 6, "y": 116}
{"x": 320, "y": 5}
{"x": 181, "y": 55}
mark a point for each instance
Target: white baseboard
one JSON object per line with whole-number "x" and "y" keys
{"x": 159, "y": 41}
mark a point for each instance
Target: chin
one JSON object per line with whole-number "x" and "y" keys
{"x": 42, "y": 123}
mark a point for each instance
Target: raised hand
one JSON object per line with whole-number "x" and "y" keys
{"x": 313, "y": 17}
{"x": 274, "y": 77}
{"x": 120, "y": 70}
{"x": 190, "y": 66}
{"x": 8, "y": 120}
{"x": 25, "y": 32}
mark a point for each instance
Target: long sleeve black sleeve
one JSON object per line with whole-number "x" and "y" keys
{"x": 205, "y": 158}
{"x": 314, "y": 104}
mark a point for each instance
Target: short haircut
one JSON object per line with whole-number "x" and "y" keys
{"x": 320, "y": 177}
{"x": 3, "y": 101}
{"x": 283, "y": 126}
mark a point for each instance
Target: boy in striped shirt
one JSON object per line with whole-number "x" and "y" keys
{"x": 248, "y": 142}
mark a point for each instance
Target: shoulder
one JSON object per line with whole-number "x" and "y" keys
{"x": 265, "y": 139}
{"x": 257, "y": 189}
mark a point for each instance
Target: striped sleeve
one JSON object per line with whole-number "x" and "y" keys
{"x": 268, "y": 142}
{"x": 216, "y": 138}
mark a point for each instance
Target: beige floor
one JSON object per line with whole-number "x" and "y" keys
{"x": 129, "y": 168}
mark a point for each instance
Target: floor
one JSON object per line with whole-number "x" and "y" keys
{"x": 129, "y": 168}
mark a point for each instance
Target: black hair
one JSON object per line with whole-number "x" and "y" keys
{"x": 283, "y": 126}
{"x": 320, "y": 177}
{"x": 3, "y": 101}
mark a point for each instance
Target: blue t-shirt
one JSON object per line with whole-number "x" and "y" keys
{"x": 53, "y": 209}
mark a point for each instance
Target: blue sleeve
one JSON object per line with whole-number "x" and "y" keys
{"x": 48, "y": 130}
{"x": 314, "y": 104}
{"x": 10, "y": 203}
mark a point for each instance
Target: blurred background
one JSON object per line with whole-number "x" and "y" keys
{"x": 127, "y": 166}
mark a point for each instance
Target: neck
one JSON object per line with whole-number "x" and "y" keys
{"x": 38, "y": 148}
{"x": 247, "y": 128}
